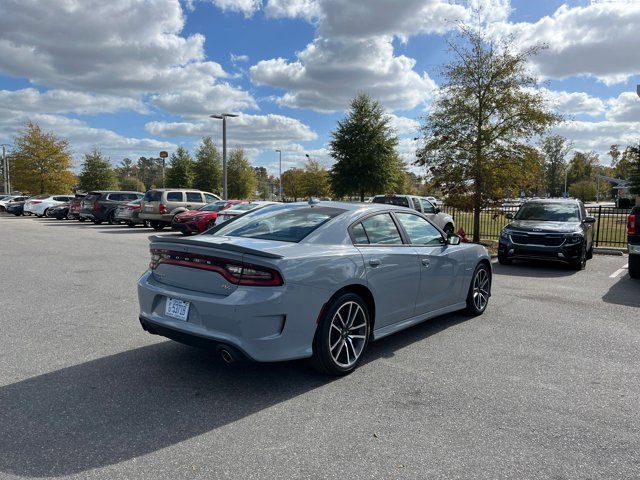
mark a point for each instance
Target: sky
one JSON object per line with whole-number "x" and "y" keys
{"x": 133, "y": 77}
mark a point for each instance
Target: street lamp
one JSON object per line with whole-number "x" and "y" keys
{"x": 566, "y": 171}
{"x": 5, "y": 169}
{"x": 223, "y": 117}
{"x": 280, "y": 179}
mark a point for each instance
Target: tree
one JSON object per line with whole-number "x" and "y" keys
{"x": 624, "y": 165}
{"x": 478, "y": 128}
{"x": 634, "y": 169}
{"x": 132, "y": 184}
{"x": 262, "y": 181}
{"x": 585, "y": 190}
{"x": 150, "y": 172}
{"x": 126, "y": 169}
{"x": 241, "y": 179}
{"x": 293, "y": 183}
{"x": 208, "y": 167}
{"x": 555, "y": 148}
{"x": 363, "y": 146}
{"x": 41, "y": 162}
{"x": 180, "y": 171}
{"x": 583, "y": 166}
{"x": 97, "y": 172}
{"x": 315, "y": 181}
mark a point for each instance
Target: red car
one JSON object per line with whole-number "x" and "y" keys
{"x": 197, "y": 221}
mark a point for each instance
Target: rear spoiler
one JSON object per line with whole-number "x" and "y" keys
{"x": 219, "y": 246}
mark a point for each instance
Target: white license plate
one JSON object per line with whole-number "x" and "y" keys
{"x": 177, "y": 309}
{"x": 148, "y": 208}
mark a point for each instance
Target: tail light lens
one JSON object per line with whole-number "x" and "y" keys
{"x": 96, "y": 206}
{"x": 631, "y": 225}
{"x": 238, "y": 273}
{"x": 133, "y": 207}
{"x": 35, "y": 202}
{"x": 163, "y": 209}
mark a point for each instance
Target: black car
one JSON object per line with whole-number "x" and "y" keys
{"x": 633, "y": 241}
{"x": 548, "y": 229}
{"x": 16, "y": 207}
{"x": 59, "y": 212}
{"x": 100, "y": 206}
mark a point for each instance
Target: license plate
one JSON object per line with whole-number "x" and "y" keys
{"x": 177, "y": 309}
{"x": 148, "y": 208}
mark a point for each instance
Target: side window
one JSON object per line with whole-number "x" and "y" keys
{"x": 382, "y": 230}
{"x": 174, "y": 196}
{"x": 583, "y": 211}
{"x": 60, "y": 199}
{"x": 115, "y": 197}
{"x": 359, "y": 235}
{"x": 416, "y": 204}
{"x": 195, "y": 197}
{"x": 427, "y": 206}
{"x": 209, "y": 198}
{"x": 420, "y": 231}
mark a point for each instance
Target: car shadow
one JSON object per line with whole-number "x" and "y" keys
{"x": 534, "y": 268}
{"x": 626, "y": 291}
{"x": 126, "y": 405}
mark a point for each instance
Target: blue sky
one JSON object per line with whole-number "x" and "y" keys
{"x": 134, "y": 77}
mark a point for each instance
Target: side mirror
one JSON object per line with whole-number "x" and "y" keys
{"x": 436, "y": 210}
{"x": 453, "y": 240}
{"x": 509, "y": 216}
{"x": 589, "y": 220}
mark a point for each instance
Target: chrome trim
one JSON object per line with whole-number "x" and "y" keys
{"x": 529, "y": 234}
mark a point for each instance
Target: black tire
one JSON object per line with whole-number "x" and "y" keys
{"x": 634, "y": 266}
{"x": 503, "y": 259}
{"x": 448, "y": 229}
{"x": 146, "y": 224}
{"x": 17, "y": 214}
{"x": 111, "y": 218}
{"x": 186, "y": 234}
{"x": 97, "y": 222}
{"x": 581, "y": 262}
{"x": 157, "y": 226}
{"x": 130, "y": 224}
{"x": 479, "y": 290}
{"x": 323, "y": 360}
{"x": 82, "y": 219}
{"x": 590, "y": 252}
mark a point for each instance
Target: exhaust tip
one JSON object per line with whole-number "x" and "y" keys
{"x": 227, "y": 356}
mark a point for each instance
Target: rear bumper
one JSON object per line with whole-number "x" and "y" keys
{"x": 267, "y": 324}
{"x": 156, "y": 217}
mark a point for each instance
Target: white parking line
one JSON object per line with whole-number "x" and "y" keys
{"x": 619, "y": 271}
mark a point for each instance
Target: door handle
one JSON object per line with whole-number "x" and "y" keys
{"x": 375, "y": 262}
{"x": 426, "y": 262}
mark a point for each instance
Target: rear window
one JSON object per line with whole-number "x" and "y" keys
{"x": 279, "y": 222}
{"x": 194, "y": 197}
{"x": 392, "y": 200}
{"x": 174, "y": 196}
{"x": 153, "y": 196}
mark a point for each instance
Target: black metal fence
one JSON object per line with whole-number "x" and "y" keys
{"x": 609, "y": 229}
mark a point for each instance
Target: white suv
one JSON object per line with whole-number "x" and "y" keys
{"x": 443, "y": 221}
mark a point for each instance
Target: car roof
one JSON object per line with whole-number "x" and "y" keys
{"x": 552, "y": 200}
{"x": 92, "y": 192}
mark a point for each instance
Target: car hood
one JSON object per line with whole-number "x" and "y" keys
{"x": 537, "y": 226}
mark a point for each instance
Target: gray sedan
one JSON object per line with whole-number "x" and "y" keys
{"x": 301, "y": 280}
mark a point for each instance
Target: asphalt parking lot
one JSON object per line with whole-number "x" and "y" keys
{"x": 546, "y": 384}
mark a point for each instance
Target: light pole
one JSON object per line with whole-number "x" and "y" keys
{"x": 223, "y": 117}
{"x": 566, "y": 171}
{"x": 280, "y": 178}
{"x": 5, "y": 169}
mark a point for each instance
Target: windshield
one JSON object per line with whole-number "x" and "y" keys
{"x": 390, "y": 200}
{"x": 549, "y": 212}
{"x": 279, "y": 222}
{"x": 213, "y": 207}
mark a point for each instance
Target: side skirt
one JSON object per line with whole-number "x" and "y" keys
{"x": 409, "y": 322}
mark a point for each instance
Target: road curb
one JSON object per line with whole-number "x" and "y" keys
{"x": 609, "y": 251}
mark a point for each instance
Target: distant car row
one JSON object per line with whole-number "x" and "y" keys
{"x": 188, "y": 211}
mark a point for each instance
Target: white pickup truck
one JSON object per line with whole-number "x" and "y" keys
{"x": 421, "y": 204}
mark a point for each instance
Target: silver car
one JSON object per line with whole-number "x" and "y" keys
{"x": 300, "y": 280}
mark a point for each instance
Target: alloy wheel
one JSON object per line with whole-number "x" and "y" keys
{"x": 481, "y": 285}
{"x": 347, "y": 334}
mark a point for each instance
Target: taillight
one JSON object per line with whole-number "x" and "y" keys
{"x": 134, "y": 207}
{"x": 96, "y": 206}
{"x": 35, "y": 202}
{"x": 238, "y": 273}
{"x": 163, "y": 209}
{"x": 631, "y": 225}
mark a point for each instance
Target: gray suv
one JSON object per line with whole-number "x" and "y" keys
{"x": 159, "y": 206}
{"x": 100, "y": 206}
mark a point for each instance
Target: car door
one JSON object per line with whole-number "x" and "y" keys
{"x": 392, "y": 268}
{"x": 194, "y": 200}
{"x": 441, "y": 265}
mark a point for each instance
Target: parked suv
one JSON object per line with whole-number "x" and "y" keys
{"x": 159, "y": 206}
{"x": 423, "y": 205}
{"x": 549, "y": 229}
{"x": 100, "y": 206}
{"x": 633, "y": 240}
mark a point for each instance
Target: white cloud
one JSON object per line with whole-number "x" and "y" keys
{"x": 247, "y": 131}
{"x": 306, "y": 9}
{"x": 598, "y": 39}
{"x": 64, "y": 101}
{"x": 599, "y": 136}
{"x": 247, "y": 7}
{"x": 238, "y": 58}
{"x": 212, "y": 99}
{"x": 404, "y": 125}
{"x": 624, "y": 108}
{"x": 574, "y": 103}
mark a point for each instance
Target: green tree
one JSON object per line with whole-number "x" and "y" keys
{"x": 132, "y": 184}
{"x": 97, "y": 172}
{"x": 293, "y": 183}
{"x": 41, "y": 162}
{"x": 180, "y": 171}
{"x": 208, "y": 167}
{"x": 363, "y": 146}
{"x": 150, "y": 172}
{"x": 315, "y": 181}
{"x": 126, "y": 169}
{"x": 262, "y": 181}
{"x": 634, "y": 168}
{"x": 585, "y": 190}
{"x": 488, "y": 110}
{"x": 624, "y": 165}
{"x": 555, "y": 148}
{"x": 241, "y": 179}
{"x": 583, "y": 166}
